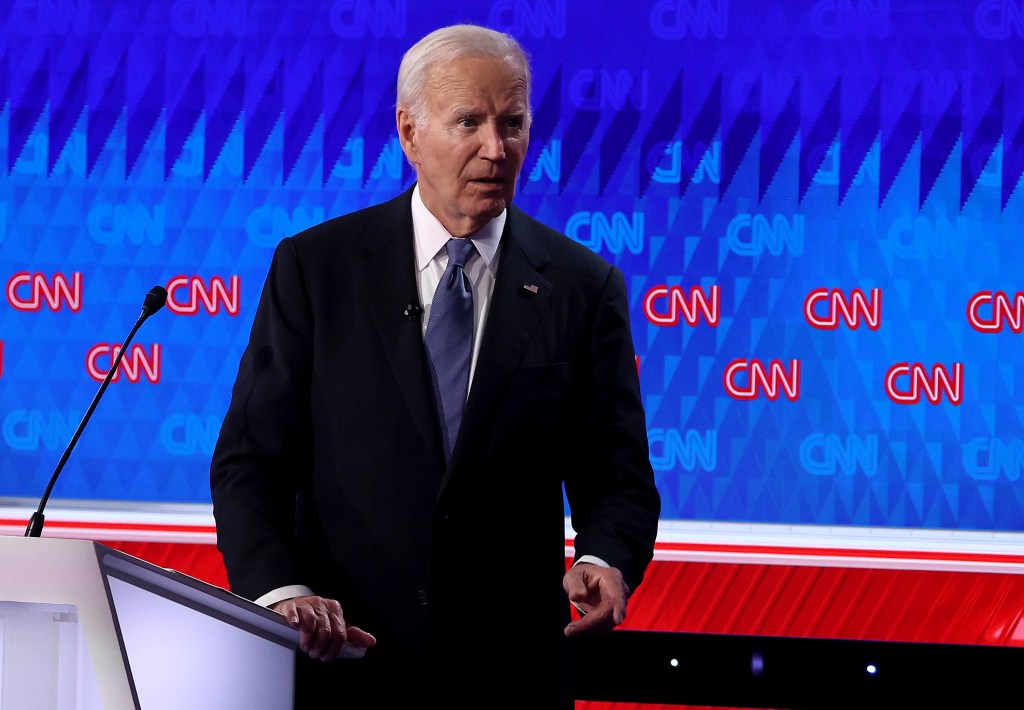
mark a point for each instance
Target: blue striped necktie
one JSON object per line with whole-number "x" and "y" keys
{"x": 449, "y": 339}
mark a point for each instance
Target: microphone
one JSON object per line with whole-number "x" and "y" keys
{"x": 155, "y": 300}
{"x": 413, "y": 311}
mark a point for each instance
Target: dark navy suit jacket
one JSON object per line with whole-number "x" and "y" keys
{"x": 329, "y": 470}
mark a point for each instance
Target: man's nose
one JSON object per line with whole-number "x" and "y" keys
{"x": 492, "y": 142}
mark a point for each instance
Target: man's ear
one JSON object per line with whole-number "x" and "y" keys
{"x": 407, "y": 133}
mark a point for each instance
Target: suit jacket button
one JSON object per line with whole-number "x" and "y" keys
{"x": 424, "y": 597}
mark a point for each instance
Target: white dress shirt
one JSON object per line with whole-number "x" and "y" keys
{"x": 431, "y": 260}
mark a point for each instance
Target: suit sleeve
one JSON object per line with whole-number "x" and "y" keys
{"x": 613, "y": 499}
{"x": 262, "y": 454}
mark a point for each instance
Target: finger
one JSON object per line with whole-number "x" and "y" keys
{"x": 287, "y": 610}
{"x": 334, "y": 631}
{"x": 573, "y": 585}
{"x": 601, "y": 618}
{"x": 362, "y": 639}
{"x": 584, "y": 625}
{"x": 618, "y": 614}
{"x": 330, "y": 631}
{"x": 577, "y": 586}
{"x": 308, "y": 628}
{"x": 314, "y": 627}
{"x": 318, "y": 620}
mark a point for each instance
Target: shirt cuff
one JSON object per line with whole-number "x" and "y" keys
{"x": 592, "y": 560}
{"x": 281, "y": 593}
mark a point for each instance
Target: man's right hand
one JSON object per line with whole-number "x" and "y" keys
{"x": 322, "y": 627}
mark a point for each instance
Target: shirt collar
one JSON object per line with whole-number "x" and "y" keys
{"x": 431, "y": 236}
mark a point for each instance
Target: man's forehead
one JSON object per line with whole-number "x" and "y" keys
{"x": 460, "y": 101}
{"x": 471, "y": 69}
{"x": 457, "y": 94}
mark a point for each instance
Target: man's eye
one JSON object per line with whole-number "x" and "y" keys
{"x": 467, "y": 122}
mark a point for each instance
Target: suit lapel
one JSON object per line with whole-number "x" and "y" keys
{"x": 389, "y": 277}
{"x": 519, "y": 298}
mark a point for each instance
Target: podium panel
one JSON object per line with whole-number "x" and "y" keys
{"x": 43, "y": 661}
{"x": 84, "y": 626}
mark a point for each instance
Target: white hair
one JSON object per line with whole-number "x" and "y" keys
{"x": 444, "y": 46}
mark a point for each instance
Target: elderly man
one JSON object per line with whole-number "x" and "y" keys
{"x": 423, "y": 380}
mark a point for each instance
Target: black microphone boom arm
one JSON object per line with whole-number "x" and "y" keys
{"x": 155, "y": 300}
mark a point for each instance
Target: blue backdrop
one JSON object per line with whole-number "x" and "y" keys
{"x": 817, "y": 205}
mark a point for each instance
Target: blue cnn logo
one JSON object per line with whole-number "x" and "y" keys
{"x": 354, "y": 19}
{"x": 831, "y": 454}
{"x": 694, "y": 19}
{"x": 918, "y": 237}
{"x": 986, "y": 459}
{"x": 215, "y": 18}
{"x": 862, "y": 19}
{"x": 669, "y": 162}
{"x": 537, "y": 19}
{"x": 999, "y": 19}
{"x": 189, "y": 434}
{"x": 57, "y": 17}
{"x": 671, "y": 448}
{"x": 618, "y": 232}
{"x": 752, "y": 234}
{"x": 30, "y": 429}
{"x": 112, "y": 224}
{"x": 268, "y": 225}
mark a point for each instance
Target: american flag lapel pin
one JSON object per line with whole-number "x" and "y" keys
{"x": 532, "y": 288}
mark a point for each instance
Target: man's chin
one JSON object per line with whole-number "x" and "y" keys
{"x": 489, "y": 208}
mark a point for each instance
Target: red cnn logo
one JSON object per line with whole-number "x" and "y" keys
{"x": 690, "y": 305}
{"x": 185, "y": 293}
{"x": 759, "y": 378}
{"x": 40, "y": 290}
{"x": 135, "y": 362}
{"x": 999, "y": 307}
{"x": 917, "y": 378}
{"x": 837, "y": 306}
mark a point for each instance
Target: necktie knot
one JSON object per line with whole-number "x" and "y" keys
{"x": 459, "y": 251}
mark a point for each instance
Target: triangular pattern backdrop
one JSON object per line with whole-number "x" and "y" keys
{"x": 817, "y": 205}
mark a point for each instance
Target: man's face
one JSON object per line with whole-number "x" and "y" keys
{"x": 469, "y": 153}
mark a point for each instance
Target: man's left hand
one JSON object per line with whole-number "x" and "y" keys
{"x": 599, "y": 593}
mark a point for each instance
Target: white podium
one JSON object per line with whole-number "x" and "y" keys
{"x": 84, "y": 626}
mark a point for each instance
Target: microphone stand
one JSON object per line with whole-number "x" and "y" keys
{"x": 155, "y": 300}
